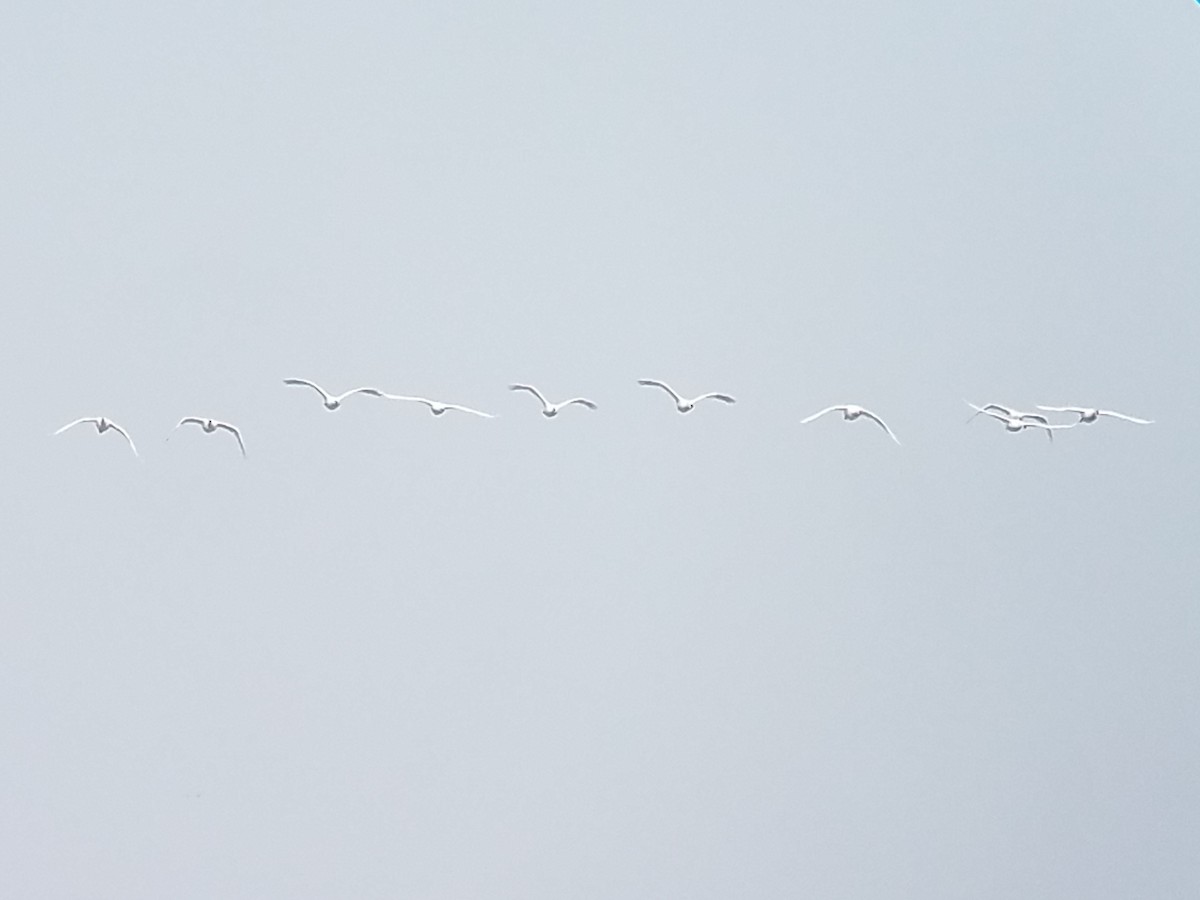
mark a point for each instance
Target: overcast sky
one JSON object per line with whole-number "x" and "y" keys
{"x": 622, "y": 653}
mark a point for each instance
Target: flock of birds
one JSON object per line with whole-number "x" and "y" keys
{"x": 1014, "y": 420}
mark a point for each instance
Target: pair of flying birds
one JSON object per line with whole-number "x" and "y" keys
{"x": 208, "y": 425}
{"x": 1015, "y": 420}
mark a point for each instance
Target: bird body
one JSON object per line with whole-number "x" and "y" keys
{"x": 550, "y": 410}
{"x": 850, "y": 412}
{"x": 208, "y": 426}
{"x": 683, "y": 404}
{"x": 331, "y": 401}
{"x": 102, "y": 425}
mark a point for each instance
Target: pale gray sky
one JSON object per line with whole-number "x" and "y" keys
{"x": 621, "y": 654}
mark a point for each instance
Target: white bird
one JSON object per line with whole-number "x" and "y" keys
{"x": 682, "y": 403}
{"x": 331, "y": 402}
{"x": 102, "y": 425}
{"x": 989, "y": 408}
{"x": 1088, "y": 414}
{"x": 1015, "y": 423}
{"x": 850, "y": 412}
{"x": 211, "y": 425}
{"x": 436, "y": 407}
{"x": 550, "y": 410}
{"x": 1009, "y": 412}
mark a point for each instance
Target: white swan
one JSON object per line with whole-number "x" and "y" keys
{"x": 550, "y": 410}
{"x": 682, "y": 403}
{"x": 333, "y": 402}
{"x": 102, "y": 425}
{"x": 211, "y": 425}
{"x": 1015, "y": 423}
{"x": 989, "y": 409}
{"x": 850, "y": 412}
{"x": 1089, "y": 414}
{"x": 436, "y": 407}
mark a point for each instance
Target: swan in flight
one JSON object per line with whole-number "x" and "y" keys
{"x": 438, "y": 408}
{"x": 1020, "y": 422}
{"x": 211, "y": 425}
{"x": 989, "y": 408}
{"x": 102, "y": 425}
{"x": 331, "y": 402}
{"x": 850, "y": 412}
{"x": 1088, "y": 414}
{"x": 550, "y": 410}
{"x": 1010, "y": 412}
{"x": 682, "y": 403}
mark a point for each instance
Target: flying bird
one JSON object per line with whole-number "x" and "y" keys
{"x": 436, "y": 407}
{"x": 331, "y": 402}
{"x": 683, "y": 404}
{"x": 550, "y": 410}
{"x": 850, "y": 412}
{"x": 1015, "y": 423}
{"x": 211, "y": 425}
{"x": 1088, "y": 414}
{"x": 102, "y": 425}
{"x": 989, "y": 408}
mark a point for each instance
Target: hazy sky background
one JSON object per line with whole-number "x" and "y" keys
{"x": 620, "y": 654}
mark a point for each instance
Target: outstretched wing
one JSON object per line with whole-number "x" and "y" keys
{"x": 531, "y": 389}
{"x": 468, "y": 409}
{"x": 650, "y": 382}
{"x": 1071, "y": 409}
{"x": 190, "y": 420}
{"x": 713, "y": 395}
{"x": 582, "y": 401}
{"x": 125, "y": 434}
{"x": 235, "y": 432}
{"x": 818, "y": 415}
{"x": 316, "y": 387}
{"x": 987, "y": 411}
{"x": 92, "y": 419}
{"x": 1117, "y": 415}
{"x": 386, "y": 396}
{"x": 374, "y": 392}
{"x": 882, "y": 424}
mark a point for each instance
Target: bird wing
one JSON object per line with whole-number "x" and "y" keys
{"x": 125, "y": 434}
{"x": 92, "y": 419}
{"x": 531, "y": 389}
{"x": 235, "y": 432}
{"x": 713, "y": 395}
{"x": 374, "y": 392}
{"x": 468, "y": 409}
{"x": 650, "y": 382}
{"x": 987, "y": 409}
{"x": 1117, "y": 415}
{"x": 987, "y": 412}
{"x": 316, "y": 387}
{"x": 818, "y": 415}
{"x": 190, "y": 420}
{"x": 1073, "y": 409}
{"x": 582, "y": 401}
{"x": 1033, "y": 423}
{"x": 386, "y": 396}
{"x": 882, "y": 424}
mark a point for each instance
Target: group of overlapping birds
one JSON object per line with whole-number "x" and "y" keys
{"x": 1014, "y": 420}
